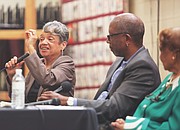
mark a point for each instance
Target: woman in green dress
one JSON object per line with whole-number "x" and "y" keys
{"x": 161, "y": 109}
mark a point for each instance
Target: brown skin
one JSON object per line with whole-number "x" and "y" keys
{"x": 118, "y": 124}
{"x": 50, "y": 48}
{"x": 170, "y": 57}
{"x": 124, "y": 45}
{"x": 121, "y": 45}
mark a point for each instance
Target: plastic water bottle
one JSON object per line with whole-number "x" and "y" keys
{"x": 18, "y": 90}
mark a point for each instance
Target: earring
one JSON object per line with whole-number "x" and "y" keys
{"x": 62, "y": 53}
{"x": 173, "y": 58}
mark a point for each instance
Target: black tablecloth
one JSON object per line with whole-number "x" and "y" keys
{"x": 35, "y": 118}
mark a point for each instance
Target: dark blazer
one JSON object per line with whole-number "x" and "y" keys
{"x": 61, "y": 70}
{"x": 137, "y": 79}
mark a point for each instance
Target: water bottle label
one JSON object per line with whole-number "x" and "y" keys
{"x": 18, "y": 96}
{"x": 18, "y": 86}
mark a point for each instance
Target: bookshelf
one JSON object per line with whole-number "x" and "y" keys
{"x": 91, "y": 53}
{"x": 50, "y": 10}
{"x": 18, "y": 34}
{"x": 30, "y": 22}
{"x": 88, "y": 22}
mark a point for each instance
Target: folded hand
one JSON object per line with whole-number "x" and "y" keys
{"x": 118, "y": 124}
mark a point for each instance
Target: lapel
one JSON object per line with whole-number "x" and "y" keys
{"x": 110, "y": 72}
{"x": 30, "y": 80}
{"x": 117, "y": 82}
{"x": 121, "y": 76}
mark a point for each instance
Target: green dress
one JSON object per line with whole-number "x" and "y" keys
{"x": 158, "y": 111}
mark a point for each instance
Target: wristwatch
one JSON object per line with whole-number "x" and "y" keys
{"x": 70, "y": 101}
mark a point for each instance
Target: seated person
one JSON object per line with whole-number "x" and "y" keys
{"x": 160, "y": 109}
{"x": 49, "y": 72}
{"x": 129, "y": 79}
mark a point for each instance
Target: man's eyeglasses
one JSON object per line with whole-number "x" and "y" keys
{"x": 110, "y": 35}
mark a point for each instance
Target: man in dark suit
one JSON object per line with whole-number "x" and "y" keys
{"x": 130, "y": 78}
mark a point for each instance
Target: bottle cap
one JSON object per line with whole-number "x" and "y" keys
{"x": 18, "y": 71}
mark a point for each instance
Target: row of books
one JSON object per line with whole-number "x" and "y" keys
{"x": 80, "y": 9}
{"x": 89, "y": 29}
{"x": 47, "y": 13}
{"x": 13, "y": 17}
{"x": 88, "y": 22}
{"x": 92, "y": 53}
{"x": 91, "y": 76}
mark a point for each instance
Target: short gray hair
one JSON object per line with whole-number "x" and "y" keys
{"x": 57, "y": 28}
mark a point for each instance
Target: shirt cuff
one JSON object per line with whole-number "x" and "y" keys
{"x": 75, "y": 102}
{"x": 135, "y": 123}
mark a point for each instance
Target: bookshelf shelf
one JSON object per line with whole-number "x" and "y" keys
{"x": 11, "y": 34}
{"x": 94, "y": 64}
{"x": 87, "y": 87}
{"x": 30, "y": 22}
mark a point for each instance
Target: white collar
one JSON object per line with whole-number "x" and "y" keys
{"x": 175, "y": 82}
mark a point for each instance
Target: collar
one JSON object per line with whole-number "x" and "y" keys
{"x": 126, "y": 62}
{"x": 175, "y": 82}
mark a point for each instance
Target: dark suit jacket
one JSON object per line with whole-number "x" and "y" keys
{"x": 137, "y": 79}
{"x": 63, "y": 69}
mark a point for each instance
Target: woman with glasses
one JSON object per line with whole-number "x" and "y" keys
{"x": 160, "y": 109}
{"x": 49, "y": 72}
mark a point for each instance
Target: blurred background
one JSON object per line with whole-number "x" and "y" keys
{"x": 88, "y": 22}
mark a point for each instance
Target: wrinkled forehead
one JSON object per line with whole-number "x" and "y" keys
{"x": 48, "y": 34}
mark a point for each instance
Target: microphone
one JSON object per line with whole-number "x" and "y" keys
{"x": 22, "y": 57}
{"x": 54, "y": 101}
{"x": 18, "y": 60}
{"x": 65, "y": 86}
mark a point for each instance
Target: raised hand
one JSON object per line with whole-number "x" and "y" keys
{"x": 31, "y": 38}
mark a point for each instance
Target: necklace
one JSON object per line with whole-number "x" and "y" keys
{"x": 168, "y": 85}
{"x": 164, "y": 88}
{"x": 171, "y": 83}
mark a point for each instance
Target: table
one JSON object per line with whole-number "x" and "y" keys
{"x": 48, "y": 118}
